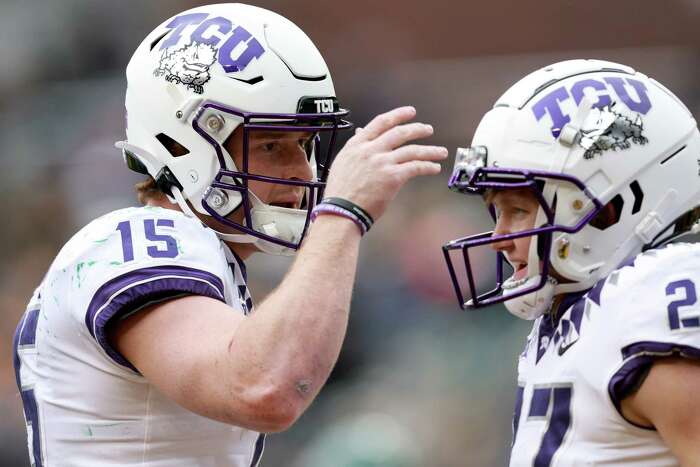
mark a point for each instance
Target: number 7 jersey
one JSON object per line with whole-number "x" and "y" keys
{"x": 84, "y": 403}
{"x": 575, "y": 371}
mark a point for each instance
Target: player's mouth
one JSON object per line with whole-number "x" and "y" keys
{"x": 520, "y": 271}
{"x": 291, "y": 202}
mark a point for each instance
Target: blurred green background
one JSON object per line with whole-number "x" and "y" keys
{"x": 419, "y": 383}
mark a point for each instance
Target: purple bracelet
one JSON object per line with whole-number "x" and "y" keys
{"x": 332, "y": 209}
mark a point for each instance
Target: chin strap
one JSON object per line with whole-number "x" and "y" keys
{"x": 534, "y": 304}
{"x": 185, "y": 207}
{"x": 263, "y": 214}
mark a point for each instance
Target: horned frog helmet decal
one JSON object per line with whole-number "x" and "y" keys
{"x": 188, "y": 65}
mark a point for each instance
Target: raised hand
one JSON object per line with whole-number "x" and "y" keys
{"x": 376, "y": 162}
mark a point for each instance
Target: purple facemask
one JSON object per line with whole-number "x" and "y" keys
{"x": 227, "y": 180}
{"x": 471, "y": 175}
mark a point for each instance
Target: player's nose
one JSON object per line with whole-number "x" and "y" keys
{"x": 501, "y": 228}
{"x": 298, "y": 166}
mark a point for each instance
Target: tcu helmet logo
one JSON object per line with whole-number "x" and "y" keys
{"x": 551, "y": 103}
{"x": 324, "y": 105}
{"x": 611, "y": 130}
{"x": 190, "y": 64}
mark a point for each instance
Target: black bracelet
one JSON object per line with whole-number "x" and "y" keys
{"x": 361, "y": 214}
{"x": 327, "y": 208}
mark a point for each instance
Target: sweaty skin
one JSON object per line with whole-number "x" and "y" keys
{"x": 262, "y": 371}
{"x": 667, "y": 398}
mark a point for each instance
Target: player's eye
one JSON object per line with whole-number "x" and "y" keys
{"x": 518, "y": 212}
{"x": 270, "y": 146}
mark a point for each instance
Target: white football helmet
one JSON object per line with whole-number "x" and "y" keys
{"x": 612, "y": 157}
{"x": 202, "y": 74}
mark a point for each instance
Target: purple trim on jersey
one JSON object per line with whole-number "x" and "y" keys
{"x": 629, "y": 262}
{"x": 31, "y": 413}
{"x": 638, "y": 357}
{"x": 28, "y": 335}
{"x": 142, "y": 287}
{"x": 516, "y": 415}
{"x": 259, "y": 448}
{"x": 564, "y": 329}
{"x": 540, "y": 402}
{"x": 576, "y": 315}
{"x": 545, "y": 334}
{"x": 15, "y": 347}
{"x": 241, "y": 265}
{"x": 559, "y": 423}
{"x": 595, "y": 292}
{"x": 25, "y": 335}
{"x": 549, "y": 324}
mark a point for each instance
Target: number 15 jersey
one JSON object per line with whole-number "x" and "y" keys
{"x": 84, "y": 403}
{"x": 575, "y": 371}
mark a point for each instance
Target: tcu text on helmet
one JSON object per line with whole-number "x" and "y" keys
{"x": 213, "y": 31}
{"x": 324, "y": 105}
{"x": 550, "y": 104}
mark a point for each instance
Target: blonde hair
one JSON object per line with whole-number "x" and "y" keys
{"x": 147, "y": 190}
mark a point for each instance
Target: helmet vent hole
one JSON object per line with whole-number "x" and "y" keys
{"x": 609, "y": 215}
{"x": 174, "y": 148}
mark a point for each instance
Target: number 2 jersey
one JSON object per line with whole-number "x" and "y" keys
{"x": 575, "y": 371}
{"x": 85, "y": 405}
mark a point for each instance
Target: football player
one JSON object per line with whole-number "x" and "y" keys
{"x": 590, "y": 170}
{"x": 140, "y": 345}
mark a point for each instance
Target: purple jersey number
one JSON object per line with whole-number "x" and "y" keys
{"x": 553, "y": 404}
{"x": 165, "y": 245}
{"x": 25, "y": 340}
{"x": 674, "y": 321}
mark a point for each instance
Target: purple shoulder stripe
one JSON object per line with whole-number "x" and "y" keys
{"x": 142, "y": 287}
{"x": 638, "y": 357}
{"x": 241, "y": 265}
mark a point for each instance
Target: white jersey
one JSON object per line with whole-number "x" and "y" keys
{"x": 85, "y": 405}
{"x": 575, "y": 372}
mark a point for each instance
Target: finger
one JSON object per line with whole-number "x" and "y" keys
{"x": 385, "y": 121}
{"x": 357, "y": 136}
{"x": 402, "y": 134}
{"x": 417, "y": 168}
{"x": 418, "y": 152}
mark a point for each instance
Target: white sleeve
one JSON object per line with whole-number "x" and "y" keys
{"x": 656, "y": 314}
{"x": 125, "y": 263}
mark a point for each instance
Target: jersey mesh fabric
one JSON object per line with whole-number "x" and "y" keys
{"x": 85, "y": 404}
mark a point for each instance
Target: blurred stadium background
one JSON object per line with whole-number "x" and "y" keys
{"x": 418, "y": 382}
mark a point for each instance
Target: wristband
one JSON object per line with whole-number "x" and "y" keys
{"x": 362, "y": 215}
{"x": 324, "y": 208}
